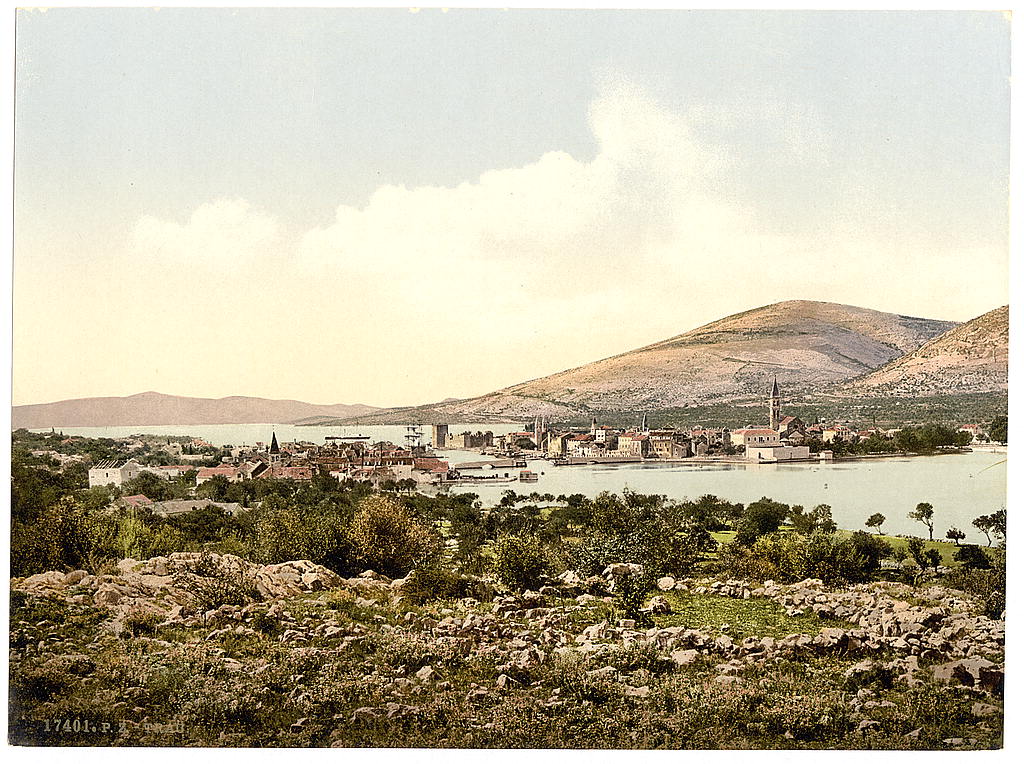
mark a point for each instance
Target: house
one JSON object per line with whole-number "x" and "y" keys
{"x": 669, "y": 444}
{"x": 136, "y": 501}
{"x": 754, "y": 436}
{"x": 633, "y": 444}
{"x": 109, "y": 472}
{"x": 777, "y": 453}
{"x": 181, "y": 506}
{"x": 208, "y": 473}
{"x": 792, "y": 428}
{"x": 839, "y": 432}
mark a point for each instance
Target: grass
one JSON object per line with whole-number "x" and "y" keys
{"x": 187, "y": 694}
{"x": 755, "y": 617}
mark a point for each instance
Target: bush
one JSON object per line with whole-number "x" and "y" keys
{"x": 632, "y": 591}
{"x": 972, "y": 557}
{"x": 387, "y": 537}
{"x": 141, "y": 622}
{"x": 989, "y": 586}
{"x": 425, "y": 584}
{"x": 519, "y": 561}
{"x": 760, "y": 518}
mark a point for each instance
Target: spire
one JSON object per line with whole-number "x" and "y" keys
{"x": 274, "y": 448}
{"x": 775, "y": 405}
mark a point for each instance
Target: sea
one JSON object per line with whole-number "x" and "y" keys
{"x": 960, "y": 487}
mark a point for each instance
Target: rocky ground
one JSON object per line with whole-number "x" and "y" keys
{"x": 214, "y": 650}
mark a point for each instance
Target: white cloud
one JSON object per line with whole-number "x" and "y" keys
{"x": 531, "y": 269}
{"x": 225, "y": 229}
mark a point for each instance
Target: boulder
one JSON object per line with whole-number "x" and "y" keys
{"x": 684, "y": 657}
{"x": 666, "y": 583}
{"x": 75, "y": 577}
{"x": 659, "y": 605}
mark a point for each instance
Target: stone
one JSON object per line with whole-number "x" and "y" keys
{"x": 659, "y": 605}
{"x": 684, "y": 657}
{"x": 505, "y": 681}
{"x": 107, "y": 594}
{"x": 636, "y": 692}
{"x": 426, "y": 674}
{"x": 363, "y": 714}
{"x": 666, "y": 583}
{"x": 75, "y": 577}
{"x": 983, "y": 709}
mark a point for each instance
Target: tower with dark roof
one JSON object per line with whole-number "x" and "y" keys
{"x": 775, "y": 406}
{"x": 274, "y": 448}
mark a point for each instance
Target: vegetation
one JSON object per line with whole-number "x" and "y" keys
{"x": 244, "y": 686}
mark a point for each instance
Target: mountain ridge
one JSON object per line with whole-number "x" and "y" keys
{"x": 154, "y": 408}
{"x": 970, "y": 357}
{"x": 810, "y": 345}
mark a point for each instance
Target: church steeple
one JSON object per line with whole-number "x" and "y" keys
{"x": 775, "y": 406}
{"x": 274, "y": 448}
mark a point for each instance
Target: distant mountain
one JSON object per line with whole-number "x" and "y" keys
{"x": 155, "y": 409}
{"x": 969, "y": 358}
{"x": 809, "y": 345}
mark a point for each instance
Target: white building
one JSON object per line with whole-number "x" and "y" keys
{"x": 777, "y": 453}
{"x": 109, "y": 472}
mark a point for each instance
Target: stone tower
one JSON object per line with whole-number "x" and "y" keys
{"x": 775, "y": 406}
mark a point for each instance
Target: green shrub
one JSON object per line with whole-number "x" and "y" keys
{"x": 425, "y": 584}
{"x": 387, "y": 537}
{"x": 141, "y": 622}
{"x": 760, "y": 518}
{"x": 972, "y": 556}
{"x": 520, "y": 561}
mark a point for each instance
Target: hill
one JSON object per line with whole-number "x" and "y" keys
{"x": 969, "y": 358}
{"x": 156, "y": 409}
{"x": 809, "y": 345}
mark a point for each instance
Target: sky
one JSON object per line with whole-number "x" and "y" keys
{"x": 392, "y": 208}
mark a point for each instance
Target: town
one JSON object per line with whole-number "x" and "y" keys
{"x": 416, "y": 464}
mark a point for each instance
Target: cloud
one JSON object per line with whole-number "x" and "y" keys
{"x": 528, "y": 270}
{"x": 225, "y": 229}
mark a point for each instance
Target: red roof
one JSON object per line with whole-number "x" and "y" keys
{"x": 213, "y": 471}
{"x": 755, "y": 431}
{"x": 138, "y": 500}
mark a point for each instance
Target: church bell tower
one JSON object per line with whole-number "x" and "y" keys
{"x": 775, "y": 406}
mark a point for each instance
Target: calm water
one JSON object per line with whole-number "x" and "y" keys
{"x": 959, "y": 486}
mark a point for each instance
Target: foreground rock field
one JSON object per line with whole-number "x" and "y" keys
{"x": 216, "y": 651}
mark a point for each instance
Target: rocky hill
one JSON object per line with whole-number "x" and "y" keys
{"x": 809, "y": 345}
{"x": 969, "y": 358}
{"x": 156, "y": 408}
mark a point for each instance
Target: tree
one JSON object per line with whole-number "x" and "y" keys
{"x": 999, "y": 525}
{"x": 215, "y": 488}
{"x": 972, "y": 557}
{"x": 519, "y": 561}
{"x": 984, "y": 523}
{"x": 875, "y": 521}
{"x": 924, "y": 513}
{"x": 915, "y": 547}
{"x": 956, "y": 535}
{"x": 933, "y": 557}
{"x": 998, "y": 430}
{"x": 760, "y": 518}
{"x": 389, "y": 539}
